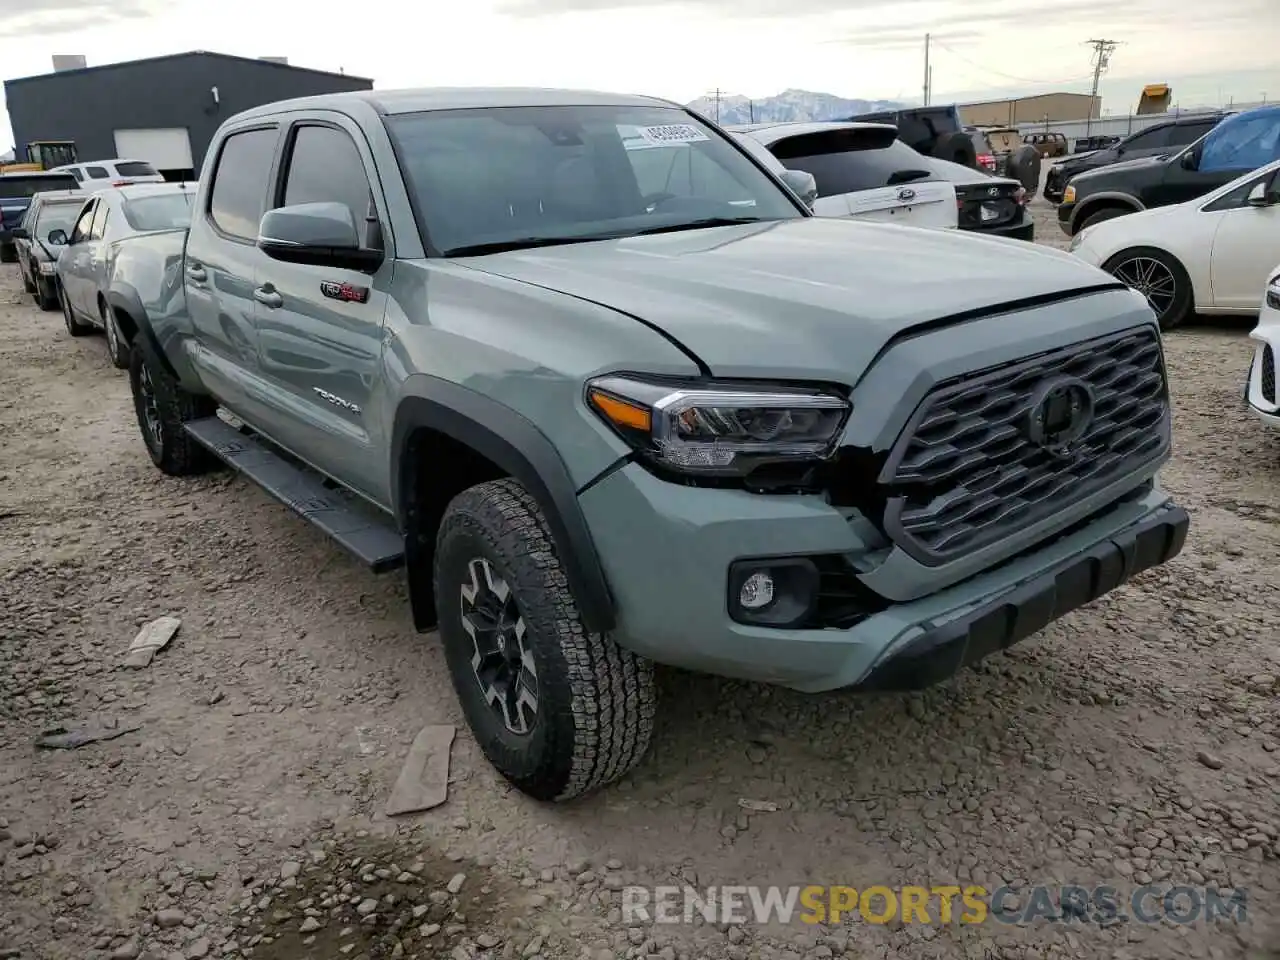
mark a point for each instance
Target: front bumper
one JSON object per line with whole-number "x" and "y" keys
{"x": 1260, "y": 390}
{"x": 1065, "y": 210}
{"x": 667, "y": 549}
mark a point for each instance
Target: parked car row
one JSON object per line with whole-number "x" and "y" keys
{"x": 66, "y": 247}
{"x": 17, "y": 189}
{"x": 537, "y": 350}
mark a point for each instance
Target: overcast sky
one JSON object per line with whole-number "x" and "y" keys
{"x": 684, "y": 48}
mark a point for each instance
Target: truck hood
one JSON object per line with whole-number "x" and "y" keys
{"x": 814, "y": 297}
{"x": 1121, "y": 166}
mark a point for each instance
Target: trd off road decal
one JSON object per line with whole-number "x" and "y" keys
{"x": 346, "y": 292}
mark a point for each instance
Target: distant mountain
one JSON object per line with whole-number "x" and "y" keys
{"x": 788, "y": 105}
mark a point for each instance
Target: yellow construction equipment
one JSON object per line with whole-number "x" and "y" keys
{"x": 43, "y": 155}
{"x": 1155, "y": 98}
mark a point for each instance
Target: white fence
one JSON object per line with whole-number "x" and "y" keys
{"x": 1120, "y": 126}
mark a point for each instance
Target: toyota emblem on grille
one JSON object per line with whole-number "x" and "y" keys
{"x": 905, "y": 194}
{"x": 1061, "y": 413}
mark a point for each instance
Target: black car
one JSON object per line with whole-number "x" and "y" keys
{"x": 1236, "y": 145}
{"x": 16, "y": 190}
{"x": 1156, "y": 140}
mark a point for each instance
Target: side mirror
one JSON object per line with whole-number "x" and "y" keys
{"x": 802, "y": 185}
{"x": 1262, "y": 195}
{"x": 20, "y": 233}
{"x": 315, "y": 234}
{"x": 1190, "y": 161}
{"x": 58, "y": 237}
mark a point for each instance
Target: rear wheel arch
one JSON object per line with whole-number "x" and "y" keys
{"x": 447, "y": 439}
{"x": 126, "y": 306}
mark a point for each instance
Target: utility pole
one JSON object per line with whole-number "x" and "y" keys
{"x": 717, "y": 102}
{"x": 1102, "y": 50}
{"x": 751, "y": 111}
{"x": 927, "y": 73}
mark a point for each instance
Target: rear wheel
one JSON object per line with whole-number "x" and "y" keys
{"x": 1160, "y": 278}
{"x": 162, "y": 407}
{"x": 558, "y": 711}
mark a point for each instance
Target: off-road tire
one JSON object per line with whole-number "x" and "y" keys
{"x": 118, "y": 349}
{"x": 171, "y": 448}
{"x": 958, "y": 148}
{"x": 596, "y": 701}
{"x": 75, "y": 326}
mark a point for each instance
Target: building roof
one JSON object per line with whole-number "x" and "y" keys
{"x": 1030, "y": 96}
{"x": 180, "y": 56}
{"x": 460, "y": 98}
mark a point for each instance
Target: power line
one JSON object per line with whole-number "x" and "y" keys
{"x": 1007, "y": 76}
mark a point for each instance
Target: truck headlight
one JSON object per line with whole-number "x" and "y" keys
{"x": 1069, "y": 194}
{"x": 718, "y": 430}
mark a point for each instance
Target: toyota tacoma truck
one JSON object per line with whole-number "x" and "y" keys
{"x": 606, "y": 415}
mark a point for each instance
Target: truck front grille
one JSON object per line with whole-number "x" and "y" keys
{"x": 971, "y": 467}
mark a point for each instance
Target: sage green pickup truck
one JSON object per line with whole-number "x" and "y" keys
{"x": 612, "y": 396}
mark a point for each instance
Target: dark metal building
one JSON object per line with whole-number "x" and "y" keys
{"x": 164, "y": 110}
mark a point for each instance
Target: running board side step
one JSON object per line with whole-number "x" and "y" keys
{"x": 378, "y": 545}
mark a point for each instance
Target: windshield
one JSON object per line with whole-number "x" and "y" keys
{"x": 164, "y": 211}
{"x": 18, "y": 185}
{"x": 841, "y": 165}
{"x": 523, "y": 176}
{"x": 56, "y": 216}
{"x": 135, "y": 168}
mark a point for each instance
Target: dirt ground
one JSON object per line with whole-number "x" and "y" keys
{"x": 1133, "y": 742}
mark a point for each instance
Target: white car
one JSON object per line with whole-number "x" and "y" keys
{"x": 1260, "y": 389}
{"x": 1211, "y": 255}
{"x": 116, "y": 172}
{"x": 867, "y": 176}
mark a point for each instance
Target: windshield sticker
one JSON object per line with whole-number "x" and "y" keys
{"x": 670, "y": 133}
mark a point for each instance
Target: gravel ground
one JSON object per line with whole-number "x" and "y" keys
{"x": 1132, "y": 742}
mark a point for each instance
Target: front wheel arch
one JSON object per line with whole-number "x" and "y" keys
{"x": 1090, "y": 207}
{"x": 455, "y": 425}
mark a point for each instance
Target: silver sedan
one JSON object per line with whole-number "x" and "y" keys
{"x": 87, "y": 262}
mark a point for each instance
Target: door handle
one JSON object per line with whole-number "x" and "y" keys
{"x": 267, "y": 296}
{"x": 196, "y": 272}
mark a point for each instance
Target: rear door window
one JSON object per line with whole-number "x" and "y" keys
{"x": 845, "y": 161}
{"x": 97, "y": 173}
{"x": 135, "y": 168}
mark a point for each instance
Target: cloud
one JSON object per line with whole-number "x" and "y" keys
{"x": 55, "y": 17}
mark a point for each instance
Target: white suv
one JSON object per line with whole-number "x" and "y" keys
{"x": 117, "y": 172}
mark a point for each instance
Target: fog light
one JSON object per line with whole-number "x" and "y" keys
{"x": 777, "y": 592}
{"x": 756, "y": 592}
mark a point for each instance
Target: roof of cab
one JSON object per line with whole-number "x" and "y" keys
{"x": 456, "y": 98}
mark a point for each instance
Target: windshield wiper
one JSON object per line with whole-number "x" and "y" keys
{"x": 700, "y": 224}
{"x": 518, "y": 243}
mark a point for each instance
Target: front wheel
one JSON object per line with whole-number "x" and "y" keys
{"x": 1160, "y": 278}
{"x": 117, "y": 346}
{"x": 75, "y": 326}
{"x": 29, "y": 279}
{"x": 162, "y": 407}
{"x": 558, "y": 711}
